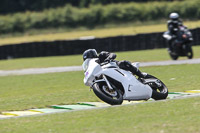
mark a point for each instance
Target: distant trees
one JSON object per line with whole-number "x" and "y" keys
{"x": 69, "y": 16}
{"x": 12, "y": 6}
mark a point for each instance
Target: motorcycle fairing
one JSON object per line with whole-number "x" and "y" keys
{"x": 134, "y": 89}
{"x": 93, "y": 67}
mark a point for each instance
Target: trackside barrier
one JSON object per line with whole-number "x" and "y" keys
{"x": 71, "y": 47}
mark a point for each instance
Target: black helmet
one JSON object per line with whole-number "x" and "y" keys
{"x": 90, "y": 53}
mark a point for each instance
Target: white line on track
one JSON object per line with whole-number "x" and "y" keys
{"x": 79, "y": 68}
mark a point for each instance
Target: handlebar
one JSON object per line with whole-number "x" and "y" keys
{"x": 107, "y": 61}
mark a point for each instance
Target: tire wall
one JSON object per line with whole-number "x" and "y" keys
{"x": 71, "y": 47}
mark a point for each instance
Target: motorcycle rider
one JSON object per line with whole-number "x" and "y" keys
{"x": 106, "y": 56}
{"x": 173, "y": 25}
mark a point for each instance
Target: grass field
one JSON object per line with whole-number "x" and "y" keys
{"x": 177, "y": 116}
{"x": 133, "y": 56}
{"x": 124, "y": 29}
{"x": 33, "y": 91}
{"x": 43, "y": 90}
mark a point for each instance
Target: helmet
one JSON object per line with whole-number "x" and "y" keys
{"x": 174, "y": 16}
{"x": 90, "y": 53}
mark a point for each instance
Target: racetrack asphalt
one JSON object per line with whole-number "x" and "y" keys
{"x": 79, "y": 68}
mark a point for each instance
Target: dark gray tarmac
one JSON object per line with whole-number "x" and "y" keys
{"x": 79, "y": 68}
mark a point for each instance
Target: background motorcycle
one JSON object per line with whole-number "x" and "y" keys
{"x": 113, "y": 85}
{"x": 181, "y": 43}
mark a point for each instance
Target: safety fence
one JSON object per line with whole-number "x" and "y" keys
{"x": 71, "y": 47}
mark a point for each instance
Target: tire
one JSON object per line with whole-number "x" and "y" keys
{"x": 101, "y": 94}
{"x": 158, "y": 93}
{"x": 173, "y": 56}
{"x": 190, "y": 53}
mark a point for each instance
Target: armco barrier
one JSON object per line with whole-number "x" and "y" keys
{"x": 71, "y": 47}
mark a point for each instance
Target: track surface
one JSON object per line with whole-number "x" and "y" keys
{"x": 79, "y": 68}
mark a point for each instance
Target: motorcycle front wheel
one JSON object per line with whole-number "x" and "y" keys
{"x": 190, "y": 53}
{"x": 173, "y": 55}
{"x": 113, "y": 97}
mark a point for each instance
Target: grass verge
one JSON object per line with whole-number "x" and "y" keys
{"x": 167, "y": 116}
{"x": 35, "y": 91}
{"x": 133, "y": 56}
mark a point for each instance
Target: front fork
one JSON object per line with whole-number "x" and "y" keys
{"x": 104, "y": 79}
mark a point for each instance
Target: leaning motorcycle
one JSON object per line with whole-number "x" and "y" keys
{"x": 181, "y": 43}
{"x": 113, "y": 85}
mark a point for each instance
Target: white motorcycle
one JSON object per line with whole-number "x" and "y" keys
{"x": 113, "y": 85}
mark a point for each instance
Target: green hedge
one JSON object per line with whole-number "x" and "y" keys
{"x": 12, "y": 6}
{"x": 69, "y": 16}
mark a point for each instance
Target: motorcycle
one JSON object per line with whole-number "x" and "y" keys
{"x": 113, "y": 85}
{"x": 180, "y": 44}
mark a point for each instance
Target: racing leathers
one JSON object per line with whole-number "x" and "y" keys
{"x": 173, "y": 26}
{"x": 126, "y": 65}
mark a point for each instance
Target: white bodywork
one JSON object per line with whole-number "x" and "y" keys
{"x": 134, "y": 89}
{"x": 167, "y": 36}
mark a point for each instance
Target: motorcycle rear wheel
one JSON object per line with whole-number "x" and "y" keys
{"x": 114, "y": 98}
{"x": 158, "y": 93}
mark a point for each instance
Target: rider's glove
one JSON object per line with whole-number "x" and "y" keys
{"x": 107, "y": 60}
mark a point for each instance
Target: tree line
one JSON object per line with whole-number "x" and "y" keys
{"x": 69, "y": 16}
{"x": 12, "y": 6}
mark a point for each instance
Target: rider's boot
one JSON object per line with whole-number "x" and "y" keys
{"x": 126, "y": 65}
{"x": 170, "y": 48}
{"x": 137, "y": 72}
{"x": 140, "y": 74}
{"x": 170, "y": 44}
